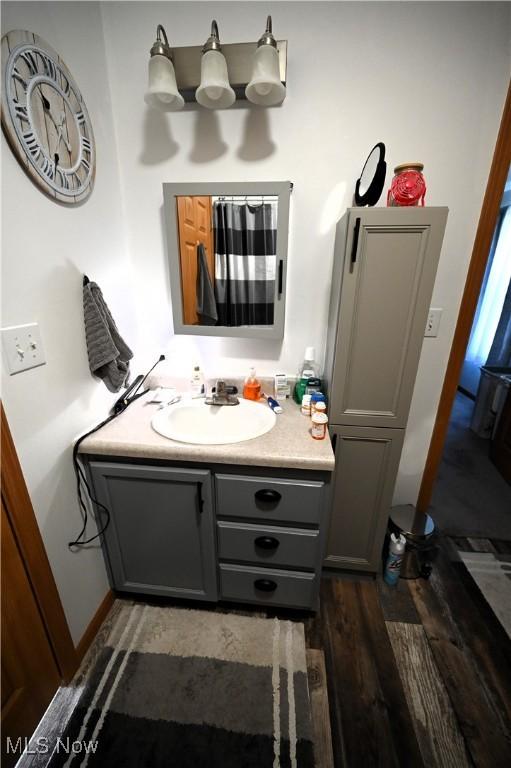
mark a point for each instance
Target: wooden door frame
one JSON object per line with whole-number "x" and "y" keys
{"x": 28, "y": 538}
{"x": 480, "y": 253}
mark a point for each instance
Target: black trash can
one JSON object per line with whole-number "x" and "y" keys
{"x": 421, "y": 540}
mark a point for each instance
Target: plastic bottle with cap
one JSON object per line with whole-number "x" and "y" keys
{"x": 309, "y": 367}
{"x": 394, "y": 560}
{"x": 308, "y": 370}
{"x": 252, "y": 388}
{"x": 197, "y": 386}
{"x": 317, "y": 397}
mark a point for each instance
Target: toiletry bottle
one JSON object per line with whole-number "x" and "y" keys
{"x": 319, "y": 406}
{"x": 307, "y": 371}
{"x": 252, "y": 388}
{"x": 306, "y": 405}
{"x": 309, "y": 368}
{"x": 317, "y": 397}
{"x": 313, "y": 385}
{"x": 394, "y": 560}
{"x": 319, "y": 426}
{"x": 197, "y": 388}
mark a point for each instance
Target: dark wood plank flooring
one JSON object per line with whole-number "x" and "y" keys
{"x": 416, "y": 675}
{"x": 419, "y": 675}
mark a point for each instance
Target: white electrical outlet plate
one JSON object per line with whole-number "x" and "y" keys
{"x": 23, "y": 347}
{"x": 433, "y": 322}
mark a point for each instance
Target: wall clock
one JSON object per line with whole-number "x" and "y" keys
{"x": 45, "y": 119}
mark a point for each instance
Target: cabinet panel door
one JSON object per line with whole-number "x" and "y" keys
{"x": 160, "y": 539}
{"x": 367, "y": 460}
{"x": 387, "y": 282}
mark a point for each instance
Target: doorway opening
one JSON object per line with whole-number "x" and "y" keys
{"x": 472, "y": 493}
{"x": 488, "y": 221}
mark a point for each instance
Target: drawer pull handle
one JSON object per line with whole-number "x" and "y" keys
{"x": 265, "y": 585}
{"x": 267, "y": 542}
{"x": 268, "y": 496}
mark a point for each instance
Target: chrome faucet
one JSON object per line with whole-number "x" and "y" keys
{"x": 221, "y": 395}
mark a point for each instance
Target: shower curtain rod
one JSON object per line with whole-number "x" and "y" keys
{"x": 246, "y": 198}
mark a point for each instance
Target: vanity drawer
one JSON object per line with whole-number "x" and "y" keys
{"x": 296, "y": 501}
{"x": 268, "y": 545}
{"x": 265, "y": 585}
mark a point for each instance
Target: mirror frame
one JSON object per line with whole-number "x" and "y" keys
{"x": 375, "y": 188}
{"x": 280, "y": 188}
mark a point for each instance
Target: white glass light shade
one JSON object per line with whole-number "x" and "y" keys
{"x": 214, "y": 91}
{"x": 265, "y": 87}
{"x": 162, "y": 92}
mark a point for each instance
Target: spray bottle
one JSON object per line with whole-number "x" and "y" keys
{"x": 394, "y": 560}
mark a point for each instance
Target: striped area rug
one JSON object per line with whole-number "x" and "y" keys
{"x": 492, "y": 574}
{"x": 191, "y": 689}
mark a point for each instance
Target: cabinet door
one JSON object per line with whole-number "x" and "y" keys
{"x": 366, "y": 463}
{"x": 388, "y": 273}
{"x": 160, "y": 538}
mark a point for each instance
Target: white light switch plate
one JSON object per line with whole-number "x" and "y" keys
{"x": 433, "y": 322}
{"x": 23, "y": 347}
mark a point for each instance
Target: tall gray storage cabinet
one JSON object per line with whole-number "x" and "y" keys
{"x": 384, "y": 270}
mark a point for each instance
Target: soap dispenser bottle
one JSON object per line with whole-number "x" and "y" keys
{"x": 197, "y": 387}
{"x": 252, "y": 388}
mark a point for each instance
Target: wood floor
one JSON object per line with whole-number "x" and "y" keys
{"x": 418, "y": 675}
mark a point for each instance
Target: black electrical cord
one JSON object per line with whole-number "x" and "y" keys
{"x": 119, "y": 407}
{"x": 80, "y": 478}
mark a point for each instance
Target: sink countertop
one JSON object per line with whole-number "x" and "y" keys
{"x": 288, "y": 445}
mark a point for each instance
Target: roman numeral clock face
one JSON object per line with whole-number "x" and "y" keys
{"x": 45, "y": 118}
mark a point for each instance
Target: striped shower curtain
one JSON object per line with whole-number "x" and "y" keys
{"x": 245, "y": 262}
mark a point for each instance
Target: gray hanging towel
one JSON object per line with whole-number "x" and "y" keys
{"x": 206, "y": 302}
{"x": 109, "y": 355}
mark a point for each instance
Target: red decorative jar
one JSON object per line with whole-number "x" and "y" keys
{"x": 408, "y": 186}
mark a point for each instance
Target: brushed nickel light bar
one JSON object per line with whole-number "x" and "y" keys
{"x": 176, "y": 75}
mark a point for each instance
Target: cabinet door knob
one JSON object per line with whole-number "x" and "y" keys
{"x": 265, "y": 585}
{"x": 267, "y": 542}
{"x": 268, "y": 495}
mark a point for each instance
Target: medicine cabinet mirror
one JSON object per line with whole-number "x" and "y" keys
{"x": 227, "y": 251}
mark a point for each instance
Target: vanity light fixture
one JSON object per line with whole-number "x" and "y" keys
{"x": 265, "y": 87}
{"x": 214, "y": 91}
{"x": 215, "y": 75}
{"x": 162, "y": 92}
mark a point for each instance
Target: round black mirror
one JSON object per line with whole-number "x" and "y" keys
{"x": 372, "y": 179}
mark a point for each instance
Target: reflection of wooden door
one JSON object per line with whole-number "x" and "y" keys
{"x": 195, "y": 226}
{"x": 37, "y": 650}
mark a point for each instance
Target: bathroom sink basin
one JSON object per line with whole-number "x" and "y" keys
{"x": 192, "y": 421}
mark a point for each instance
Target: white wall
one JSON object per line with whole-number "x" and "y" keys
{"x": 429, "y": 79}
{"x": 45, "y": 249}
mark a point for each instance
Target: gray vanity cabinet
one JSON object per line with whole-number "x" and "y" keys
{"x": 384, "y": 270}
{"x": 161, "y": 536}
{"x": 201, "y": 533}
